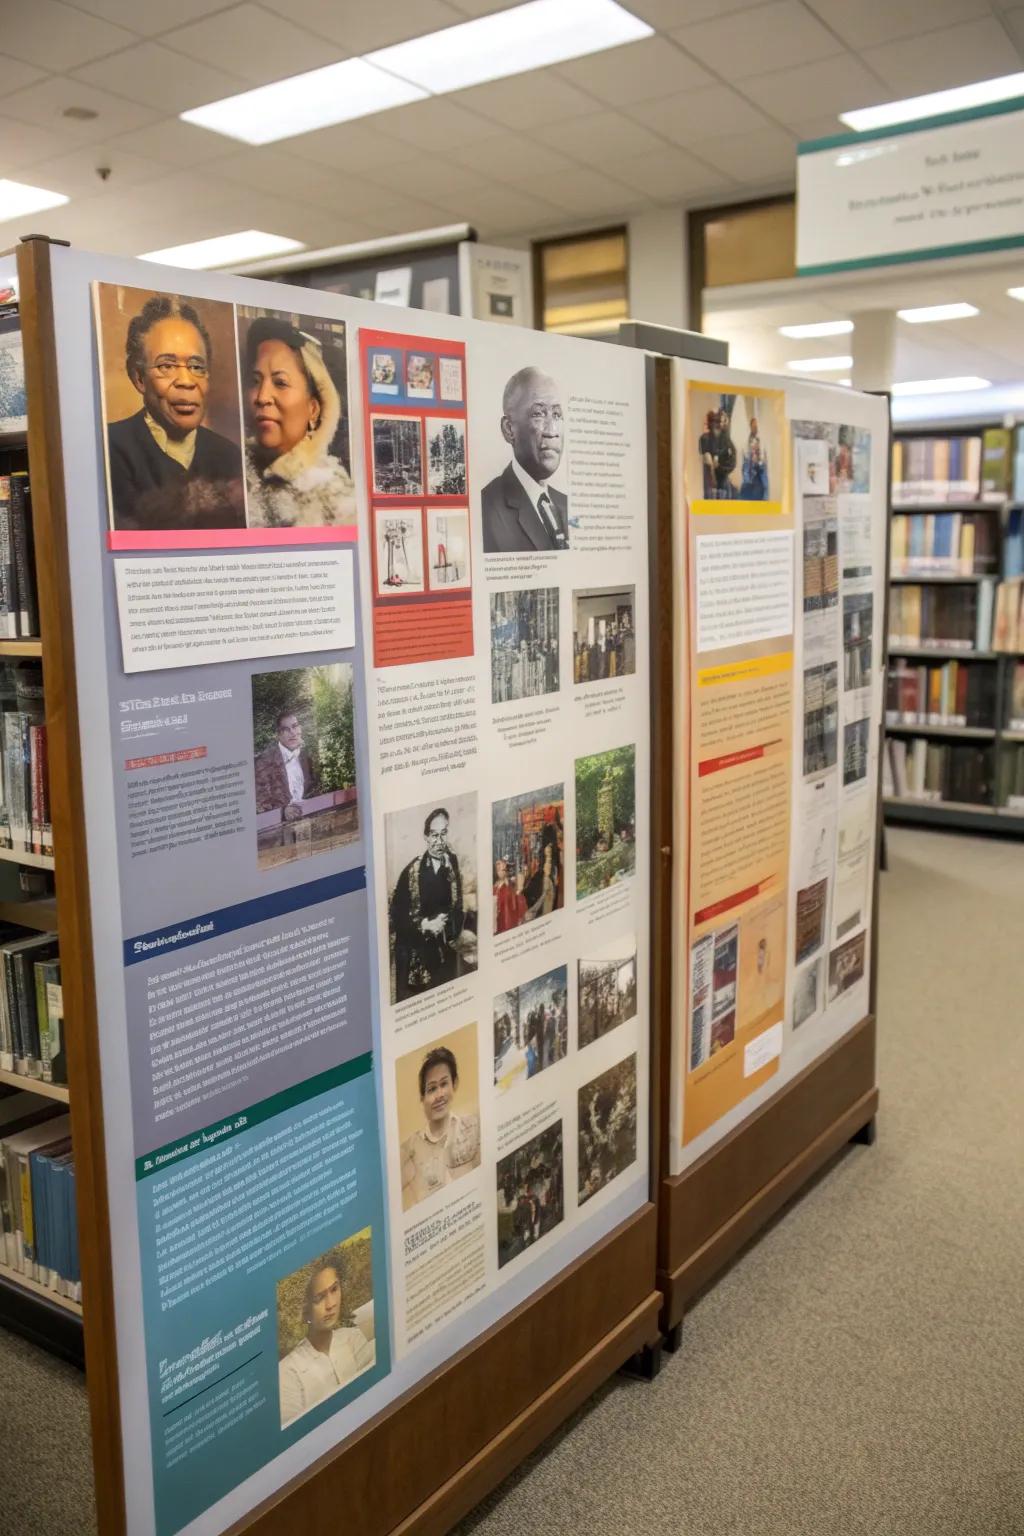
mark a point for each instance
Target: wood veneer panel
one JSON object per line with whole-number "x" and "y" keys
{"x": 430, "y": 1457}
{"x": 49, "y": 516}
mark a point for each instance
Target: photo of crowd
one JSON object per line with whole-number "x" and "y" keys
{"x": 524, "y": 644}
{"x": 531, "y": 1193}
{"x": 304, "y": 762}
{"x": 446, "y": 456}
{"x": 527, "y": 845}
{"x": 531, "y": 1028}
{"x": 605, "y": 819}
{"x": 397, "y": 456}
{"x": 607, "y": 996}
{"x": 821, "y": 717}
{"x": 607, "y": 1127}
{"x": 603, "y": 633}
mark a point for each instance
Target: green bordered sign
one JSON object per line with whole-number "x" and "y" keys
{"x": 944, "y": 186}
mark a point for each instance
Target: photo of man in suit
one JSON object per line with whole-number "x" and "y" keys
{"x": 521, "y": 509}
{"x": 285, "y": 773}
{"x": 168, "y": 470}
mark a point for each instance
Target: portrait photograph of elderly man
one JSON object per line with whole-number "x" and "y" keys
{"x": 170, "y": 400}
{"x": 522, "y": 510}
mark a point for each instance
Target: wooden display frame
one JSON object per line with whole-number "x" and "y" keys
{"x": 427, "y": 1459}
{"x": 707, "y": 1213}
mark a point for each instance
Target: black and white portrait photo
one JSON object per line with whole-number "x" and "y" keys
{"x": 522, "y": 508}
{"x": 430, "y": 853}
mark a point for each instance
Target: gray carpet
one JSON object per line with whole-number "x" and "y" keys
{"x": 860, "y": 1370}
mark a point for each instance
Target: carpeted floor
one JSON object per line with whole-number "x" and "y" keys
{"x": 860, "y": 1370}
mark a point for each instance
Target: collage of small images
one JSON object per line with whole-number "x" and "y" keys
{"x": 525, "y": 640}
{"x": 221, "y": 417}
{"x": 834, "y": 459}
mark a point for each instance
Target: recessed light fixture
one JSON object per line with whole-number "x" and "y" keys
{"x": 529, "y": 36}
{"x": 1016, "y": 293}
{"x": 224, "y": 250}
{"x": 511, "y": 42}
{"x": 318, "y": 99}
{"x": 820, "y": 364}
{"x": 17, "y": 200}
{"x": 80, "y": 114}
{"x": 937, "y": 312}
{"x": 958, "y": 99}
{"x": 819, "y": 328}
{"x": 941, "y": 386}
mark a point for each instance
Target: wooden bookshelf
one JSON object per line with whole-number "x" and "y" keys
{"x": 940, "y": 653}
{"x": 12, "y": 1277}
{"x": 967, "y": 732}
{"x": 35, "y": 1085}
{"x": 939, "y": 578}
{"x": 26, "y": 647}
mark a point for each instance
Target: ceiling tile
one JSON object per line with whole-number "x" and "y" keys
{"x": 769, "y": 155}
{"x": 793, "y": 95}
{"x": 45, "y": 102}
{"x": 359, "y": 28}
{"x": 691, "y": 117}
{"x": 526, "y": 101}
{"x": 1013, "y": 20}
{"x": 817, "y": 127}
{"x": 349, "y": 147}
{"x": 175, "y": 143}
{"x": 367, "y": 202}
{"x": 637, "y": 72}
{"x": 605, "y": 136}
{"x": 428, "y": 176}
{"x": 506, "y": 156}
{"x": 254, "y": 43}
{"x": 56, "y": 36}
{"x": 587, "y": 194}
{"x": 153, "y": 75}
{"x": 666, "y": 14}
{"x": 669, "y": 177}
{"x": 14, "y": 74}
{"x": 149, "y": 17}
{"x": 75, "y": 174}
{"x": 871, "y": 22}
{"x": 976, "y": 50}
{"x": 470, "y": 8}
{"x": 506, "y": 210}
{"x": 749, "y": 42}
{"x": 266, "y": 167}
{"x": 429, "y": 125}
{"x": 25, "y": 144}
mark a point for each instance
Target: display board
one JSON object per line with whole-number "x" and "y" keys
{"x": 779, "y": 541}
{"x": 360, "y": 617}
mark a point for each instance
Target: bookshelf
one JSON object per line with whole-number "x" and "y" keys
{"x": 38, "y": 1311}
{"x": 947, "y": 726}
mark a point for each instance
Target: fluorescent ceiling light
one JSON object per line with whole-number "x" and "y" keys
{"x": 819, "y": 328}
{"x": 1016, "y": 293}
{"x": 941, "y": 386}
{"x": 937, "y": 312}
{"x": 820, "y": 364}
{"x": 510, "y": 43}
{"x": 318, "y": 99}
{"x": 846, "y": 383}
{"x": 17, "y": 200}
{"x": 1005, "y": 88}
{"x": 224, "y": 250}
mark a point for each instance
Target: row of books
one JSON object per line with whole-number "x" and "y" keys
{"x": 936, "y": 468}
{"x": 917, "y": 768}
{"x": 953, "y": 543}
{"x": 38, "y": 1225}
{"x": 1008, "y": 631}
{"x": 1015, "y": 698}
{"x": 1013, "y": 541}
{"x": 25, "y": 821}
{"x": 31, "y": 1006}
{"x": 19, "y": 607}
{"x": 946, "y": 693}
{"x": 946, "y": 618}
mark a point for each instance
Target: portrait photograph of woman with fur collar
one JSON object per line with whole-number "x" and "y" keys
{"x": 297, "y": 457}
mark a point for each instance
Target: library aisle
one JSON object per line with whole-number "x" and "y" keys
{"x": 856, "y": 1369}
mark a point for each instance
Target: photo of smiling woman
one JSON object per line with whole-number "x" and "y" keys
{"x": 297, "y": 443}
{"x": 445, "y": 1145}
{"x": 337, "y": 1342}
{"x": 170, "y": 405}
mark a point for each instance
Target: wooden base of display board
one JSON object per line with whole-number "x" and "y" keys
{"x": 426, "y": 1461}
{"x": 708, "y": 1213}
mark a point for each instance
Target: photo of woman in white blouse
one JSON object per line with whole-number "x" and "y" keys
{"x": 330, "y": 1355}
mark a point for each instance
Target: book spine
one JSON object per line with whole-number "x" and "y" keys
{"x": 11, "y": 996}
{"x": 24, "y": 983}
{"x": 24, "y": 556}
{"x": 8, "y": 609}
